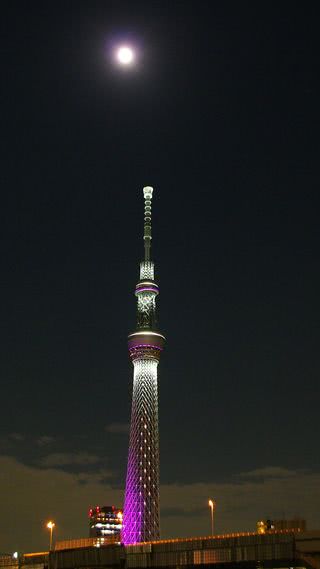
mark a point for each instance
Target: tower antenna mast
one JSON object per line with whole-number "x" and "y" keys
{"x": 147, "y": 193}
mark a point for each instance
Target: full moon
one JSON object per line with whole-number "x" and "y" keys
{"x": 125, "y": 55}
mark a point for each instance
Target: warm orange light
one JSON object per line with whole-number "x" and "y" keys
{"x": 212, "y": 504}
{"x": 35, "y": 554}
{"x": 261, "y": 527}
{"x": 50, "y": 525}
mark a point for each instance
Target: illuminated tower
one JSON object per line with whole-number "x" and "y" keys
{"x": 141, "y": 505}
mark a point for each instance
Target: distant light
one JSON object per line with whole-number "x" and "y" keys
{"x": 125, "y": 55}
{"x": 15, "y": 555}
{"x": 50, "y": 525}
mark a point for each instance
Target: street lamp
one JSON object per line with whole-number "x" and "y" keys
{"x": 50, "y": 526}
{"x": 212, "y": 505}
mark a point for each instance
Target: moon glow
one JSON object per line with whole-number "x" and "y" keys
{"x": 125, "y": 55}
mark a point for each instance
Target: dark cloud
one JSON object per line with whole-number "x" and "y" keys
{"x": 101, "y": 476}
{"x": 176, "y": 512}
{"x": 118, "y": 428}
{"x": 17, "y": 437}
{"x": 11, "y": 440}
{"x": 66, "y": 459}
{"x": 269, "y": 472}
{"x": 42, "y": 493}
{"x": 45, "y": 440}
{"x": 39, "y": 494}
{"x": 240, "y": 504}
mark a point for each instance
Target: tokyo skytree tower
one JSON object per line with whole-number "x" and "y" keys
{"x": 141, "y": 505}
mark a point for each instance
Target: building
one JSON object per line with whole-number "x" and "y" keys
{"x": 105, "y": 522}
{"x": 264, "y": 526}
{"x": 141, "y": 505}
{"x": 296, "y": 524}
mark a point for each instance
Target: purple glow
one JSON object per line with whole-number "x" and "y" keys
{"x": 146, "y": 346}
{"x": 148, "y": 289}
{"x": 141, "y": 506}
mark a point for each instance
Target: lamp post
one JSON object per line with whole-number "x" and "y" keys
{"x": 50, "y": 526}
{"x": 212, "y": 505}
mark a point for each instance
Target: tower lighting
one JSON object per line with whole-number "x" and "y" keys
{"x": 141, "y": 505}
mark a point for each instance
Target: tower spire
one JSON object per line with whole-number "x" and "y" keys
{"x": 141, "y": 506}
{"x": 147, "y": 193}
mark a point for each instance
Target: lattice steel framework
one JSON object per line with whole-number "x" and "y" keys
{"x": 141, "y": 506}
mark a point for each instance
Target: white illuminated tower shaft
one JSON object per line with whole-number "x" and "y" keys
{"x": 141, "y": 506}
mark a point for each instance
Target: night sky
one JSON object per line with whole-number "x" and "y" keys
{"x": 220, "y": 114}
